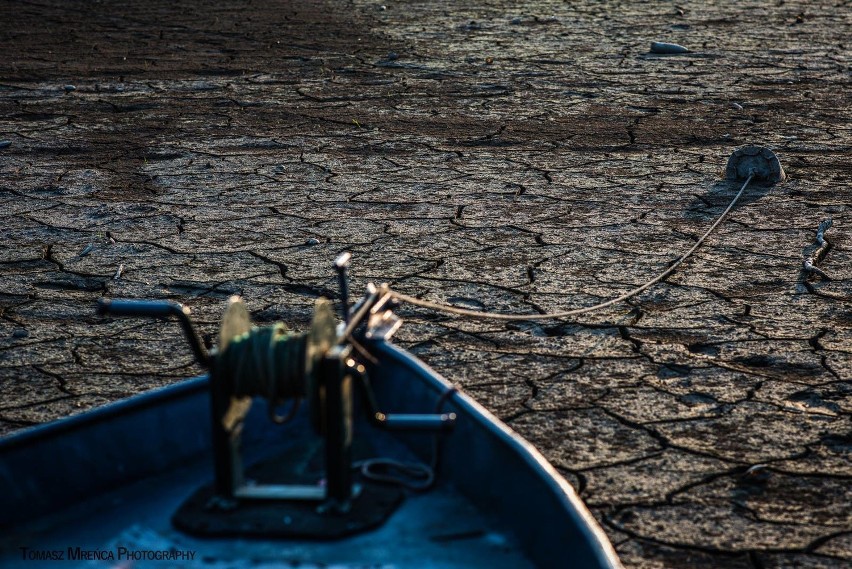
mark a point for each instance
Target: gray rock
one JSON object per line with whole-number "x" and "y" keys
{"x": 667, "y": 48}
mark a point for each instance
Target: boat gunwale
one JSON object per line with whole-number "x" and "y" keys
{"x": 522, "y": 447}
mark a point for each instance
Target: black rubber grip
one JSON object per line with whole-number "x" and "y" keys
{"x": 150, "y": 308}
{"x": 403, "y": 422}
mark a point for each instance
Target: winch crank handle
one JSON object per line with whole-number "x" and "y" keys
{"x": 158, "y": 309}
{"x": 415, "y": 422}
{"x": 434, "y": 422}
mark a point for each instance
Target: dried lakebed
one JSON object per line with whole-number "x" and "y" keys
{"x": 496, "y": 156}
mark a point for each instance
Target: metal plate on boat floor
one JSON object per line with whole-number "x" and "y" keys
{"x": 266, "y": 518}
{"x": 301, "y": 464}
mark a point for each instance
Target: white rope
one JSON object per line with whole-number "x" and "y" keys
{"x": 567, "y": 313}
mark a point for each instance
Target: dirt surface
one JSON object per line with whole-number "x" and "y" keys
{"x": 496, "y": 156}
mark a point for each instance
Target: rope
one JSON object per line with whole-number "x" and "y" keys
{"x": 412, "y": 475}
{"x": 267, "y": 362}
{"x": 450, "y": 309}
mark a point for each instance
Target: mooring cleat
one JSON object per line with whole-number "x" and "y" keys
{"x": 754, "y": 159}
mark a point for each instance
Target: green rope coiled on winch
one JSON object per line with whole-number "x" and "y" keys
{"x": 266, "y": 362}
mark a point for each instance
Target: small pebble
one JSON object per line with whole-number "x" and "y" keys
{"x": 392, "y": 56}
{"x": 383, "y": 7}
{"x": 312, "y": 241}
{"x": 667, "y": 48}
{"x": 20, "y": 333}
{"x": 758, "y": 472}
{"x": 87, "y": 250}
{"x": 5, "y": 143}
{"x": 515, "y": 21}
{"x": 489, "y": 60}
{"x": 69, "y": 88}
{"x": 118, "y": 272}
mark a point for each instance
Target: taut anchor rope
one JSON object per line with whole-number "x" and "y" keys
{"x": 447, "y": 308}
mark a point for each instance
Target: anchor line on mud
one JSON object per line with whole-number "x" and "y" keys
{"x": 450, "y": 309}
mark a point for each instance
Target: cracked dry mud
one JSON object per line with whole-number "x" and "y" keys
{"x": 497, "y": 156}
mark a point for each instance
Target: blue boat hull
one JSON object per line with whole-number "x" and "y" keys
{"x": 106, "y": 482}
